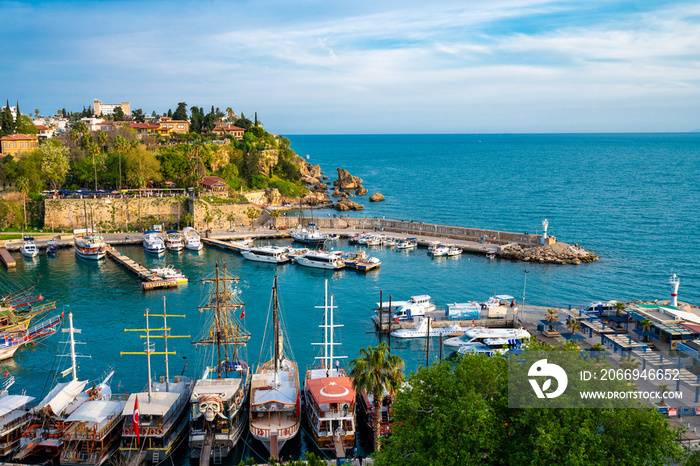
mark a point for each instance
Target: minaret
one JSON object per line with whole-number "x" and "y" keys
{"x": 674, "y": 281}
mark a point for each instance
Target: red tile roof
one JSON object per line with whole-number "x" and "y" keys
{"x": 42, "y": 127}
{"x": 213, "y": 181}
{"x": 19, "y": 137}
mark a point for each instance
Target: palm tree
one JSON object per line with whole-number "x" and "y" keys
{"x": 619, "y": 306}
{"x": 628, "y": 363}
{"x": 23, "y": 186}
{"x": 377, "y": 370}
{"x": 208, "y": 218}
{"x": 646, "y": 326}
{"x": 552, "y": 316}
{"x": 94, "y": 150}
{"x": 573, "y": 325}
{"x": 231, "y": 218}
{"x": 122, "y": 145}
{"x": 598, "y": 349}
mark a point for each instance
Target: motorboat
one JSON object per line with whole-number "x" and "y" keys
{"x": 219, "y": 401}
{"x": 454, "y": 251}
{"x": 174, "y": 241}
{"x": 52, "y": 247}
{"x": 437, "y": 250}
{"x": 88, "y": 245}
{"x": 478, "y": 335}
{"x": 28, "y": 248}
{"x": 421, "y": 330}
{"x": 275, "y": 397}
{"x": 311, "y": 236}
{"x": 490, "y": 346}
{"x": 296, "y": 253}
{"x": 322, "y": 260}
{"x": 153, "y": 242}
{"x": 168, "y": 272}
{"x": 360, "y": 260}
{"x": 407, "y": 244}
{"x": 193, "y": 241}
{"x": 155, "y": 419}
{"x": 273, "y": 254}
{"x": 329, "y": 392}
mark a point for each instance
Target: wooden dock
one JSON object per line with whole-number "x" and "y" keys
{"x": 217, "y": 243}
{"x": 7, "y": 258}
{"x": 150, "y": 281}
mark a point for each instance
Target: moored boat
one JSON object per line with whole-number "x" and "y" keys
{"x": 477, "y": 335}
{"x": 174, "y": 241}
{"x": 155, "y": 419}
{"x": 272, "y": 254}
{"x": 329, "y": 392}
{"x": 168, "y": 272}
{"x": 437, "y": 250}
{"x": 153, "y": 242}
{"x": 359, "y": 260}
{"x": 219, "y": 401}
{"x": 322, "y": 260}
{"x": 275, "y": 399}
{"x": 193, "y": 240}
{"x": 52, "y": 247}
{"x": 93, "y": 433}
{"x": 14, "y": 416}
{"x": 310, "y": 236}
{"x": 28, "y": 248}
{"x": 424, "y": 327}
{"x": 88, "y": 245}
{"x": 490, "y": 346}
{"x": 409, "y": 243}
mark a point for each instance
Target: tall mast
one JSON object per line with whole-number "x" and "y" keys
{"x": 72, "y": 346}
{"x": 326, "y": 361}
{"x": 328, "y": 329}
{"x": 217, "y": 319}
{"x": 148, "y": 355}
{"x": 165, "y": 344}
{"x": 275, "y": 325}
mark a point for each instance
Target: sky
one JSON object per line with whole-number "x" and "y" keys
{"x": 366, "y": 67}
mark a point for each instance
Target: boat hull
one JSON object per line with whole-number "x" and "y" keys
{"x": 93, "y": 256}
{"x": 319, "y": 265}
{"x": 269, "y": 259}
{"x": 30, "y": 254}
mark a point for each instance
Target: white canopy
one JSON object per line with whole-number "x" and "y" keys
{"x": 11, "y": 402}
{"x": 158, "y": 405}
{"x": 96, "y": 411}
{"x": 62, "y": 394}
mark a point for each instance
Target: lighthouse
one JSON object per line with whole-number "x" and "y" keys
{"x": 674, "y": 281}
{"x": 545, "y": 224}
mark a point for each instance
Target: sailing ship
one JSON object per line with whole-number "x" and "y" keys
{"x": 155, "y": 419}
{"x": 275, "y": 398}
{"x": 219, "y": 402}
{"x": 329, "y": 393}
{"x": 43, "y": 439}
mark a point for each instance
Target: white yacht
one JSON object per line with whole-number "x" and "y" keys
{"x": 479, "y": 334}
{"x": 153, "y": 242}
{"x": 274, "y": 254}
{"x": 322, "y": 260}
{"x": 174, "y": 241}
{"x": 421, "y": 331}
{"x": 310, "y": 236}
{"x": 454, "y": 251}
{"x": 168, "y": 272}
{"x": 28, "y": 248}
{"x": 436, "y": 250}
{"x": 88, "y": 245}
{"x": 490, "y": 346}
{"x": 407, "y": 244}
{"x": 193, "y": 241}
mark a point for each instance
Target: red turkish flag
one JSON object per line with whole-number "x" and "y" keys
{"x": 135, "y": 420}
{"x": 242, "y": 313}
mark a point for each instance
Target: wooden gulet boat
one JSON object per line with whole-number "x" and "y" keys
{"x": 219, "y": 402}
{"x": 329, "y": 393}
{"x": 14, "y": 416}
{"x": 275, "y": 396}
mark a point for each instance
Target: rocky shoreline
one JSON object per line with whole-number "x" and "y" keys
{"x": 557, "y": 253}
{"x": 344, "y": 188}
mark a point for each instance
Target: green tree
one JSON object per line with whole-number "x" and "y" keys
{"x": 25, "y": 125}
{"x": 121, "y": 145}
{"x": 187, "y": 219}
{"x": 23, "y": 186}
{"x": 138, "y": 116}
{"x": 7, "y": 121}
{"x": 80, "y": 127}
{"x": 118, "y": 114}
{"x": 573, "y": 325}
{"x": 180, "y": 112}
{"x": 94, "y": 150}
{"x": 552, "y": 316}
{"x": 375, "y": 371}
{"x": 208, "y": 217}
{"x": 54, "y": 163}
{"x": 252, "y": 213}
{"x": 141, "y": 167}
{"x": 102, "y": 139}
{"x": 230, "y": 218}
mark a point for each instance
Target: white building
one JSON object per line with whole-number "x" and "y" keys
{"x": 108, "y": 109}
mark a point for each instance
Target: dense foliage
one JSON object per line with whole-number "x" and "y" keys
{"x": 456, "y": 413}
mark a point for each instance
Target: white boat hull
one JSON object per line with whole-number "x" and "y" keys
{"x": 194, "y": 246}
{"x": 254, "y": 257}
{"x": 90, "y": 256}
{"x": 30, "y": 254}
{"x": 319, "y": 265}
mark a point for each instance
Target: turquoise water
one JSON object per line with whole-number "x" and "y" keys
{"x": 633, "y": 199}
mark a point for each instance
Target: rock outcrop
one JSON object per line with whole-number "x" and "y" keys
{"x": 346, "y": 181}
{"x": 315, "y": 198}
{"x": 376, "y": 197}
{"x": 361, "y": 191}
{"x": 345, "y": 204}
{"x": 558, "y": 253}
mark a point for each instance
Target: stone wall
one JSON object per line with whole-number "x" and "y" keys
{"x": 414, "y": 229}
{"x": 220, "y": 214}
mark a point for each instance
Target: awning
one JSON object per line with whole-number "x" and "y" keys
{"x": 675, "y": 330}
{"x": 692, "y": 327}
{"x": 572, "y": 336}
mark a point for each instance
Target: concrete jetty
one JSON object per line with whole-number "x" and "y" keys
{"x": 149, "y": 280}
{"x": 7, "y": 258}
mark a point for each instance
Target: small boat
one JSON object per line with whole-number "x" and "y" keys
{"x": 219, "y": 401}
{"x": 359, "y": 260}
{"x": 322, "y": 260}
{"x": 436, "y": 250}
{"x": 28, "y": 248}
{"x": 88, "y": 245}
{"x": 52, "y": 247}
{"x": 329, "y": 393}
{"x": 490, "y": 346}
{"x": 275, "y": 397}
{"x": 421, "y": 331}
{"x": 454, "y": 251}
{"x": 491, "y": 255}
{"x": 10, "y": 342}
{"x": 14, "y": 416}
{"x": 155, "y": 420}
{"x": 407, "y": 244}
{"x": 310, "y": 236}
{"x": 168, "y": 272}
{"x": 174, "y": 241}
{"x": 365, "y": 408}
{"x": 193, "y": 241}
{"x": 296, "y": 253}
{"x": 478, "y": 335}
{"x": 273, "y": 254}
{"x": 153, "y": 242}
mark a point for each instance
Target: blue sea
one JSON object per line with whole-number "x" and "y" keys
{"x": 634, "y": 199}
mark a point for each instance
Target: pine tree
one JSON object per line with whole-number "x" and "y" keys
{"x": 256, "y": 118}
